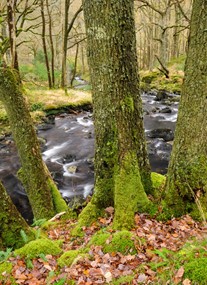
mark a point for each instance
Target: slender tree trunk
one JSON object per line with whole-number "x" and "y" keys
{"x": 65, "y": 45}
{"x": 121, "y": 165}
{"x": 51, "y": 46}
{"x": 11, "y": 4}
{"x": 11, "y": 222}
{"x": 75, "y": 66}
{"x": 42, "y": 192}
{"x": 186, "y": 187}
{"x": 45, "y": 45}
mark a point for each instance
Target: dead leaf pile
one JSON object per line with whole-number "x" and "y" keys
{"x": 102, "y": 268}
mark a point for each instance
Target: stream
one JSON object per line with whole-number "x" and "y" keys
{"x": 67, "y": 143}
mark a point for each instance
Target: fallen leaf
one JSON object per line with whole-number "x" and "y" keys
{"x": 179, "y": 275}
{"x": 108, "y": 276}
{"x": 141, "y": 278}
{"x": 186, "y": 282}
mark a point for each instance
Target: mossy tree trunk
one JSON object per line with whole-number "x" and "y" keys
{"x": 186, "y": 186}
{"x": 42, "y": 192}
{"x": 11, "y": 222}
{"x": 122, "y": 169}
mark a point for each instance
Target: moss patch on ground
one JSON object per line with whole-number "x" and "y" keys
{"x": 70, "y": 257}
{"x": 40, "y": 246}
{"x": 120, "y": 241}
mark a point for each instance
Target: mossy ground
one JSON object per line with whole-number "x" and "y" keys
{"x": 40, "y": 246}
{"x": 120, "y": 241}
{"x": 71, "y": 257}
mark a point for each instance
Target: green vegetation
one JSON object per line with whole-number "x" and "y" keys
{"x": 120, "y": 241}
{"x": 70, "y": 257}
{"x": 192, "y": 257}
{"x": 156, "y": 80}
{"x": 40, "y": 246}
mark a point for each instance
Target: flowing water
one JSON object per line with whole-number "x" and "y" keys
{"x": 69, "y": 150}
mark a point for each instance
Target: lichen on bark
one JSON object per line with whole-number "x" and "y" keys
{"x": 121, "y": 162}
{"x": 11, "y": 222}
{"x": 34, "y": 173}
{"x": 186, "y": 185}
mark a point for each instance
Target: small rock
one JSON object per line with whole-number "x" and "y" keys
{"x": 166, "y": 110}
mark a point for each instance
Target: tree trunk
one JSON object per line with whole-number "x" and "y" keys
{"x": 44, "y": 44}
{"x": 51, "y": 45}
{"x": 186, "y": 186}
{"x": 11, "y": 222}
{"x": 42, "y": 192}
{"x": 121, "y": 164}
{"x": 65, "y": 45}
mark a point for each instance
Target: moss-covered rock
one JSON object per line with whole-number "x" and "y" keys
{"x": 121, "y": 241}
{"x": 70, "y": 257}
{"x": 148, "y": 78}
{"x": 40, "y": 246}
{"x": 99, "y": 238}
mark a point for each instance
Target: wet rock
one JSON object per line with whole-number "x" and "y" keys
{"x": 166, "y": 110}
{"x": 68, "y": 158}
{"x": 165, "y": 134}
{"x": 161, "y": 95}
{"x": 44, "y": 127}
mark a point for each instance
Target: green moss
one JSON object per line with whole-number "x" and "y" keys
{"x": 150, "y": 77}
{"x": 129, "y": 194}
{"x": 89, "y": 215}
{"x": 99, "y": 238}
{"x": 6, "y": 270}
{"x": 70, "y": 257}
{"x": 123, "y": 280}
{"x": 186, "y": 190}
{"x": 196, "y": 271}
{"x": 58, "y": 202}
{"x": 121, "y": 241}
{"x": 158, "y": 180}
{"x": 128, "y": 102}
{"x": 5, "y": 267}
{"x": 40, "y": 246}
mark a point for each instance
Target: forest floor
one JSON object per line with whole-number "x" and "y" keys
{"x": 153, "y": 252}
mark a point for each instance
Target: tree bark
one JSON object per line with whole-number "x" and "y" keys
{"x": 42, "y": 192}
{"x": 44, "y": 44}
{"x": 186, "y": 186}
{"x": 11, "y": 222}
{"x": 121, "y": 164}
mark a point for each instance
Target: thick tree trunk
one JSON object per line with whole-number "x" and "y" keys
{"x": 186, "y": 186}
{"x": 11, "y": 222}
{"x": 121, "y": 165}
{"x": 42, "y": 192}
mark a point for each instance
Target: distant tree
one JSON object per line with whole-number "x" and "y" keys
{"x": 122, "y": 170}
{"x": 42, "y": 192}
{"x": 186, "y": 186}
{"x": 67, "y": 28}
{"x": 11, "y": 222}
{"x": 13, "y": 17}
